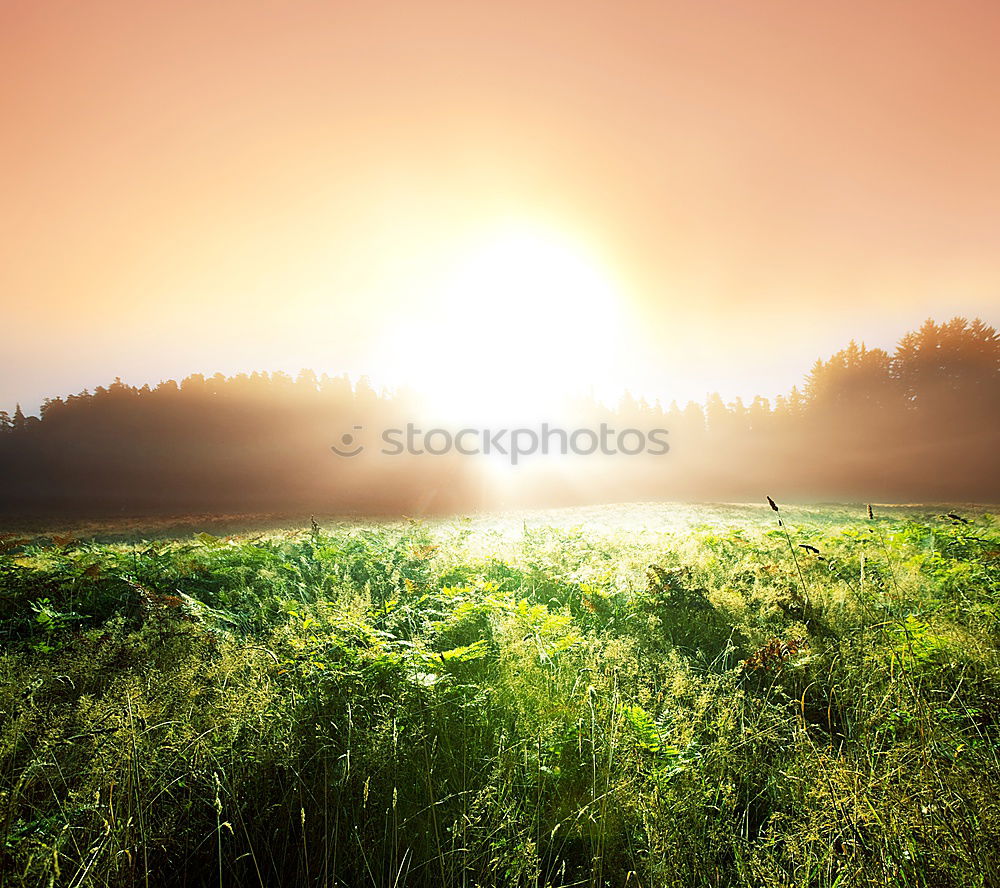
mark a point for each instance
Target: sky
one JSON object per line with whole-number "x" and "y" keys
{"x": 673, "y": 197}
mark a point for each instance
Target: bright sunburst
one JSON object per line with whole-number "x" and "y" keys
{"x": 522, "y": 319}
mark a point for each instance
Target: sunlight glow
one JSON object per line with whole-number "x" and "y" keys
{"x": 522, "y": 320}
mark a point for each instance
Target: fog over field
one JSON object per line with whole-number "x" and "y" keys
{"x": 546, "y": 444}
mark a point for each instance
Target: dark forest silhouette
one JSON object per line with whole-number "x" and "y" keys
{"x": 920, "y": 424}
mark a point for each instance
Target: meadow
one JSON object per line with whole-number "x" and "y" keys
{"x": 643, "y": 695}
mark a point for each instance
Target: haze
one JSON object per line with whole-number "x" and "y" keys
{"x": 201, "y": 187}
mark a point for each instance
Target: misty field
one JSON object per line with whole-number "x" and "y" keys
{"x": 641, "y": 695}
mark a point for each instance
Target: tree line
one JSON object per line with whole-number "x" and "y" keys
{"x": 921, "y": 423}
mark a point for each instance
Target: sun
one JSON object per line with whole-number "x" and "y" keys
{"x": 523, "y": 318}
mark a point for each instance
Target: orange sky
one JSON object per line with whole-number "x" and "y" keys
{"x": 221, "y": 185}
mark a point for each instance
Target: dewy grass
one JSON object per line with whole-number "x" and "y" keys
{"x": 617, "y": 696}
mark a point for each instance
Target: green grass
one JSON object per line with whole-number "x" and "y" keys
{"x": 647, "y": 695}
